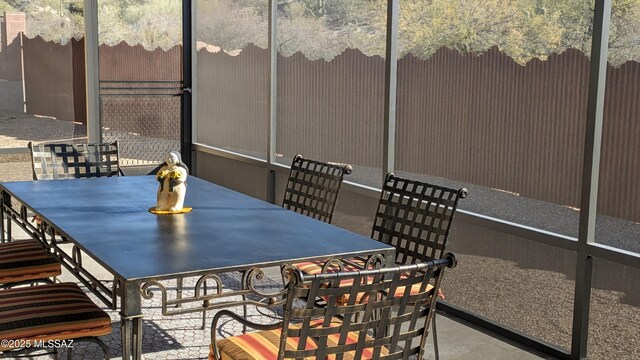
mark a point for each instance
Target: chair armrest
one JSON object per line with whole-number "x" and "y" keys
{"x": 354, "y": 264}
{"x": 10, "y": 285}
{"x": 240, "y": 319}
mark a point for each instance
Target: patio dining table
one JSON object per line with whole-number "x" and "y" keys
{"x": 108, "y": 220}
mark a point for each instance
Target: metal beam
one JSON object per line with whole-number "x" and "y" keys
{"x": 590, "y": 177}
{"x": 187, "y": 87}
{"x": 390, "y": 88}
{"x": 526, "y": 232}
{"x": 14, "y": 150}
{"x": 568, "y": 243}
{"x": 194, "y": 84}
{"x": 226, "y": 154}
{"x": 273, "y": 81}
{"x": 615, "y": 255}
{"x": 92, "y": 67}
{"x": 273, "y": 98}
{"x": 523, "y": 231}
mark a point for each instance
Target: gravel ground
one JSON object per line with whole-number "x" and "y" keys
{"x": 540, "y": 303}
{"x": 15, "y": 167}
{"x": 16, "y": 130}
{"x": 19, "y": 129}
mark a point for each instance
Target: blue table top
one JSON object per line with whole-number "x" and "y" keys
{"x": 109, "y": 219}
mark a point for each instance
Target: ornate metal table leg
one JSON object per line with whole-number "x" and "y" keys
{"x": 131, "y": 321}
{"x": 125, "y": 332}
{"x": 137, "y": 337}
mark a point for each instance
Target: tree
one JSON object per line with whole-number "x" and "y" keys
{"x": 5, "y": 6}
{"x": 322, "y": 29}
{"x": 111, "y": 28}
{"x": 53, "y": 20}
{"x": 575, "y": 18}
{"x": 520, "y": 29}
{"x": 624, "y": 37}
{"x": 154, "y": 24}
{"x": 231, "y": 24}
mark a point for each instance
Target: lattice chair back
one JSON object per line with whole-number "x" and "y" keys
{"x": 370, "y": 314}
{"x": 415, "y": 217}
{"x": 313, "y": 187}
{"x": 74, "y": 161}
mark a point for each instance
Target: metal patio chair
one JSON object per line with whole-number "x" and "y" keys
{"x": 74, "y": 161}
{"x": 52, "y": 312}
{"x": 313, "y": 187}
{"x": 58, "y": 313}
{"x": 413, "y": 216}
{"x": 55, "y": 161}
{"x": 25, "y": 261}
{"x": 371, "y": 314}
{"x": 312, "y": 190}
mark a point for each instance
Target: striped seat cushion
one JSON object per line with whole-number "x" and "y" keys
{"x": 315, "y": 267}
{"x": 50, "y": 312}
{"x": 264, "y": 345}
{"x": 24, "y": 260}
{"x": 400, "y": 290}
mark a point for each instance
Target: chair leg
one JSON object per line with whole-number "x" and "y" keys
{"x": 179, "y": 286}
{"x": 435, "y": 336}
{"x": 205, "y": 304}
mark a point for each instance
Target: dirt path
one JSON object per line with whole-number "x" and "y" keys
{"x": 16, "y": 130}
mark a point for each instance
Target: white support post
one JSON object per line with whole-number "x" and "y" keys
{"x": 91, "y": 55}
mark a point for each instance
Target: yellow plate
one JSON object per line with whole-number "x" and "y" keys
{"x": 170, "y": 212}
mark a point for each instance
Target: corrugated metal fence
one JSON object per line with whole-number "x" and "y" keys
{"x": 478, "y": 119}
{"x": 49, "y": 79}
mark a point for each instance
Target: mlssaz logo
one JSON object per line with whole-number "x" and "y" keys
{"x": 53, "y": 344}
